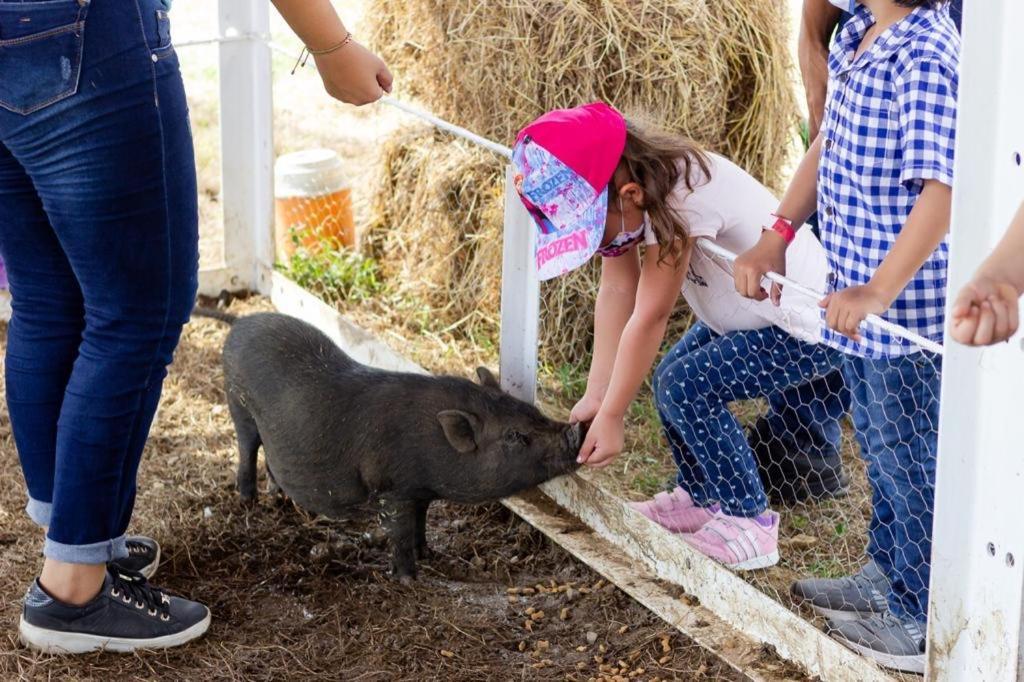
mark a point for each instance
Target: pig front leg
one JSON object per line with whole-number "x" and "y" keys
{"x": 422, "y": 548}
{"x": 399, "y": 520}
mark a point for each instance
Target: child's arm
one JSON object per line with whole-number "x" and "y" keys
{"x": 615, "y": 300}
{"x": 656, "y": 296}
{"x": 921, "y": 235}
{"x": 817, "y": 23}
{"x": 985, "y": 312}
{"x": 352, "y": 73}
{"x": 769, "y": 254}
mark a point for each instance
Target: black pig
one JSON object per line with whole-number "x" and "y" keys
{"x": 337, "y": 433}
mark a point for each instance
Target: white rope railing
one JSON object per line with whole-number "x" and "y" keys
{"x": 873, "y": 320}
{"x": 217, "y": 40}
{"x": 458, "y": 131}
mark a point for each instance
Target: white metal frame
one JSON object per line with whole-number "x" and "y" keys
{"x": 978, "y": 553}
{"x": 977, "y": 591}
{"x": 520, "y": 300}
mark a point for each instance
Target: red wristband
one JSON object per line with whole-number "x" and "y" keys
{"x": 784, "y": 228}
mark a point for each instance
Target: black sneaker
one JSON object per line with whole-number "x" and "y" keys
{"x": 143, "y": 556}
{"x": 792, "y": 475}
{"x": 126, "y": 615}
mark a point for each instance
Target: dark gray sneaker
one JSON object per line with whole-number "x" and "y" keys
{"x": 885, "y": 639}
{"x": 860, "y": 595}
{"x": 143, "y": 556}
{"x": 126, "y": 615}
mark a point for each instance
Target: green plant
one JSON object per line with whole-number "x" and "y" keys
{"x": 827, "y": 568}
{"x": 648, "y": 483}
{"x": 573, "y": 379}
{"x": 335, "y": 274}
{"x": 805, "y": 134}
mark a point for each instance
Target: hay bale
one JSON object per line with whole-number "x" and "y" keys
{"x": 436, "y": 227}
{"x": 718, "y": 71}
{"x": 715, "y": 71}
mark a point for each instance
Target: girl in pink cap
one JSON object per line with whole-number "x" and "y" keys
{"x": 596, "y": 183}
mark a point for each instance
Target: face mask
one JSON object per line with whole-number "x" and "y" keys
{"x": 848, "y": 6}
{"x": 623, "y": 241}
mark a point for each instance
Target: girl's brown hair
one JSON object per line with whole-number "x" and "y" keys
{"x": 657, "y": 161}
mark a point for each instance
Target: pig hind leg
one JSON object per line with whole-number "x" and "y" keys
{"x": 248, "y": 448}
{"x": 399, "y": 520}
{"x": 272, "y": 487}
{"x": 422, "y": 548}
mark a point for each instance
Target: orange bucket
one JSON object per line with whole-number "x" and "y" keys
{"x": 312, "y": 202}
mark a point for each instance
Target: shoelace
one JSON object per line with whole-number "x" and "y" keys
{"x": 876, "y": 625}
{"x": 136, "y": 547}
{"x": 132, "y": 588}
{"x": 860, "y": 581}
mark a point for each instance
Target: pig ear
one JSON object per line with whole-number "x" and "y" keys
{"x": 460, "y": 429}
{"x": 487, "y": 378}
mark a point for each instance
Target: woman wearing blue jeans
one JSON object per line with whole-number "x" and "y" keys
{"x": 98, "y": 230}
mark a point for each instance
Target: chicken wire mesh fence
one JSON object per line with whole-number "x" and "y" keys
{"x": 793, "y": 461}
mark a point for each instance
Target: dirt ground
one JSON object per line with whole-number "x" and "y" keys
{"x": 297, "y": 597}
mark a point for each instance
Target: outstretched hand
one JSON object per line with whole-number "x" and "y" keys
{"x": 604, "y": 441}
{"x": 354, "y": 75}
{"x": 585, "y": 410}
{"x": 985, "y": 312}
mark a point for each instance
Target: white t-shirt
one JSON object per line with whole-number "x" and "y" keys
{"x": 730, "y": 211}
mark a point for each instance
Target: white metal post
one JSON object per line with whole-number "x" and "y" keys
{"x": 247, "y": 150}
{"x": 978, "y": 554}
{"x": 520, "y": 299}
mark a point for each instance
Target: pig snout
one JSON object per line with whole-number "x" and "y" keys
{"x": 575, "y": 435}
{"x": 572, "y": 437}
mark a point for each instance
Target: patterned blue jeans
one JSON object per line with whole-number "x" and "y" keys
{"x": 693, "y": 387}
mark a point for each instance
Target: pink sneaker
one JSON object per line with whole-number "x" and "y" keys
{"x": 739, "y": 543}
{"x": 674, "y": 511}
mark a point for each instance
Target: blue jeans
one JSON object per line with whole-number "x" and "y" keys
{"x": 693, "y": 387}
{"x": 896, "y": 417}
{"x": 99, "y": 232}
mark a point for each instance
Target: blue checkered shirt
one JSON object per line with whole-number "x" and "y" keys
{"x": 889, "y": 125}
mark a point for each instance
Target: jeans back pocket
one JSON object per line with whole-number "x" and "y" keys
{"x": 41, "y": 47}
{"x": 164, "y": 47}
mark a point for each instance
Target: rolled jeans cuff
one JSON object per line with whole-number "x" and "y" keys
{"x": 94, "y": 553}
{"x": 39, "y": 512}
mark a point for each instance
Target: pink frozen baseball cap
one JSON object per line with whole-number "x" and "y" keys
{"x": 564, "y": 162}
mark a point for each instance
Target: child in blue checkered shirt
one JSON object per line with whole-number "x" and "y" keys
{"x": 880, "y": 173}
